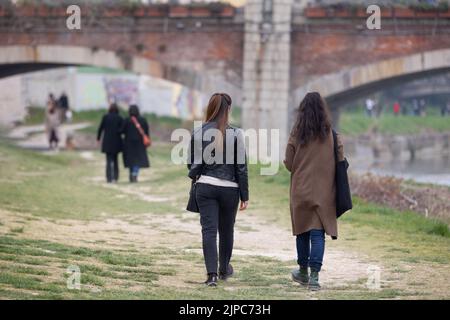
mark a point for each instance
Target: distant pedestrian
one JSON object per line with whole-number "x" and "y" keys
{"x": 52, "y": 122}
{"x": 370, "y": 104}
{"x": 416, "y": 107}
{"x": 136, "y": 136}
{"x": 110, "y": 130}
{"x": 63, "y": 104}
{"x": 444, "y": 110}
{"x": 422, "y": 108}
{"x": 51, "y": 101}
{"x": 396, "y": 108}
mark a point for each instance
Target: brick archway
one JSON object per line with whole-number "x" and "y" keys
{"x": 64, "y": 55}
{"x": 356, "y": 81}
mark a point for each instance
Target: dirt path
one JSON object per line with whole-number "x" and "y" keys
{"x": 150, "y": 231}
{"x": 253, "y": 236}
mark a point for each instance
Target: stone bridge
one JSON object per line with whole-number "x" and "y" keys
{"x": 267, "y": 54}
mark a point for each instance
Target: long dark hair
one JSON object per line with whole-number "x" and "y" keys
{"x": 113, "y": 108}
{"x": 217, "y": 110}
{"x": 313, "y": 120}
{"x": 133, "y": 111}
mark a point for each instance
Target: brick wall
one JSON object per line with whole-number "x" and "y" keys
{"x": 317, "y": 54}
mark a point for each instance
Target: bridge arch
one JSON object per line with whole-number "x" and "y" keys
{"x": 15, "y": 59}
{"x": 358, "y": 81}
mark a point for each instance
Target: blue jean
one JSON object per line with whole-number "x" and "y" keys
{"x": 134, "y": 170}
{"x": 310, "y": 249}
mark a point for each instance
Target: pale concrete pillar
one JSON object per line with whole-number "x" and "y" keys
{"x": 266, "y": 71}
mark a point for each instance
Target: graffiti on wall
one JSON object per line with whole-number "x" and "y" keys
{"x": 122, "y": 91}
{"x": 187, "y": 103}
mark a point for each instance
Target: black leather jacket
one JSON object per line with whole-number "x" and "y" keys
{"x": 235, "y": 171}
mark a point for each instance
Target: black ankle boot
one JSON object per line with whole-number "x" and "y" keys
{"x": 211, "y": 281}
{"x": 225, "y": 275}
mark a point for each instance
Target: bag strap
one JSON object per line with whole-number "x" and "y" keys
{"x": 138, "y": 126}
{"x": 335, "y": 146}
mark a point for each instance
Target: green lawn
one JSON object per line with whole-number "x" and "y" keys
{"x": 64, "y": 191}
{"x": 351, "y": 122}
{"x": 355, "y": 123}
{"x": 42, "y": 185}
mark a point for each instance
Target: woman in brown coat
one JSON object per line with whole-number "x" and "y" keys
{"x": 310, "y": 159}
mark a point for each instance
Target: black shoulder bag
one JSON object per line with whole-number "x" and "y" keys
{"x": 192, "y": 202}
{"x": 343, "y": 195}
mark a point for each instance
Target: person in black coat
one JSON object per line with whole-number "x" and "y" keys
{"x": 110, "y": 128}
{"x": 63, "y": 104}
{"x": 134, "y": 151}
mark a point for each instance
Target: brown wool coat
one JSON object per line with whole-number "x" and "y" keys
{"x": 313, "y": 189}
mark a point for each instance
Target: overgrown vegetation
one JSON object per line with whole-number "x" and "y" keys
{"x": 356, "y": 123}
{"x": 405, "y": 195}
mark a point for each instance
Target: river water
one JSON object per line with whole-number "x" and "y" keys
{"x": 429, "y": 166}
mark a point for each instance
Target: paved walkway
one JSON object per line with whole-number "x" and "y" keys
{"x": 34, "y": 137}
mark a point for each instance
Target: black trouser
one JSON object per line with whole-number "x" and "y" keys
{"x": 53, "y": 138}
{"x": 112, "y": 167}
{"x": 218, "y": 207}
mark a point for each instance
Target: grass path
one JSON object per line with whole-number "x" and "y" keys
{"x": 137, "y": 241}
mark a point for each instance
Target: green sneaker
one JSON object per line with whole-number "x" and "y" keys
{"x": 301, "y": 276}
{"x": 313, "y": 284}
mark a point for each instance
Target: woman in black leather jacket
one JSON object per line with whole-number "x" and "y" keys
{"x": 219, "y": 167}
